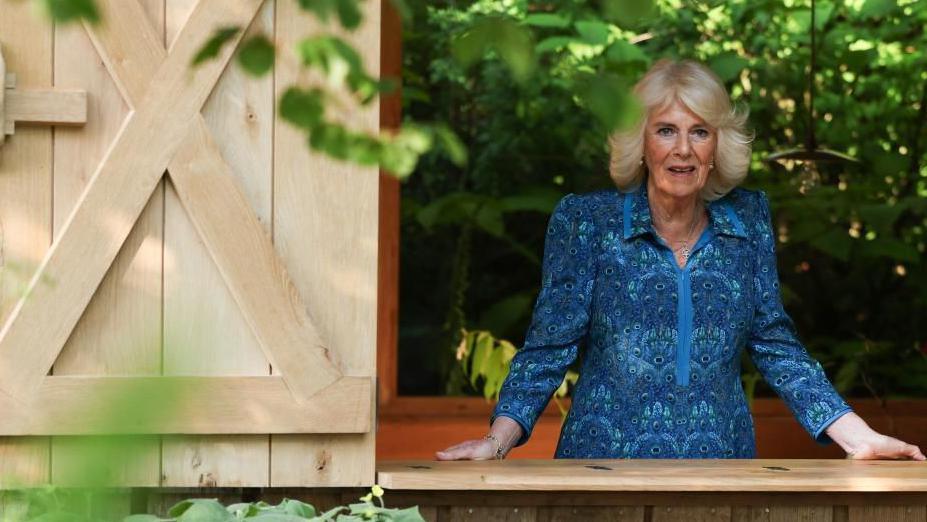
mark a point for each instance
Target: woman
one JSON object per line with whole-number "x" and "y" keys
{"x": 665, "y": 282}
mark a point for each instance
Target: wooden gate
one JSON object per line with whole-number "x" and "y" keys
{"x": 184, "y": 241}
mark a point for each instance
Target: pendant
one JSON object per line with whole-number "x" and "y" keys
{"x": 685, "y": 251}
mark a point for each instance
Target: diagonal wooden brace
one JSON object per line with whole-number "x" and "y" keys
{"x": 41, "y": 323}
{"x": 256, "y": 277}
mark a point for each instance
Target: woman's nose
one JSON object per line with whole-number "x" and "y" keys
{"x": 682, "y": 148}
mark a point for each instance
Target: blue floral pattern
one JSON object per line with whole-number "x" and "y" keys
{"x": 661, "y": 345}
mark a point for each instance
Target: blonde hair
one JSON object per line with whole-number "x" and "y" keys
{"x": 698, "y": 88}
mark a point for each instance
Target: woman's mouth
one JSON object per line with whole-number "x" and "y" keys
{"x": 682, "y": 169}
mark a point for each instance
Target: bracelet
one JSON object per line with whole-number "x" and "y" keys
{"x": 499, "y": 454}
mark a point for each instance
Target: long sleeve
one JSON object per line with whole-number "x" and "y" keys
{"x": 776, "y": 351}
{"x": 560, "y": 319}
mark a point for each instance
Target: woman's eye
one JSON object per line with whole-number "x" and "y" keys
{"x": 701, "y": 133}
{"x": 665, "y": 131}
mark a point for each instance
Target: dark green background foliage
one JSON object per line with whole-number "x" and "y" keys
{"x": 545, "y": 82}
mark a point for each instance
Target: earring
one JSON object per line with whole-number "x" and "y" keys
{"x": 641, "y": 162}
{"x": 711, "y": 165}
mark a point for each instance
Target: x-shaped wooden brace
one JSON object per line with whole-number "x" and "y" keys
{"x": 166, "y": 130}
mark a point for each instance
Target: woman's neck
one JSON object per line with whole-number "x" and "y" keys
{"x": 673, "y": 215}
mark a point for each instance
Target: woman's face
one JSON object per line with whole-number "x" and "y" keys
{"x": 678, "y": 148}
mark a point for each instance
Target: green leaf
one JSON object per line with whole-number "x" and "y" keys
{"x": 728, "y": 65}
{"x": 893, "y": 249}
{"x": 349, "y": 14}
{"x": 449, "y": 142}
{"x": 877, "y": 8}
{"x": 628, "y": 13}
{"x": 608, "y": 98}
{"x": 547, "y": 20}
{"x": 554, "y": 43}
{"x": 489, "y": 218}
{"x": 212, "y": 46}
{"x": 142, "y": 518}
{"x": 304, "y": 109}
{"x": 513, "y": 42}
{"x": 71, "y": 10}
{"x": 322, "y": 9}
{"x": 295, "y": 507}
{"x": 622, "y": 51}
{"x": 200, "y": 510}
{"x": 593, "y": 32}
{"x": 835, "y": 242}
{"x": 256, "y": 56}
{"x": 505, "y": 313}
{"x": 846, "y": 376}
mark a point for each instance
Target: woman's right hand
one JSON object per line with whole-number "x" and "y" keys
{"x": 504, "y": 429}
{"x": 475, "y": 449}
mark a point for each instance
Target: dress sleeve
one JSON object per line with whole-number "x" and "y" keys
{"x": 560, "y": 319}
{"x": 776, "y": 351}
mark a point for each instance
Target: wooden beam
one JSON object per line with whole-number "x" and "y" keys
{"x": 60, "y": 107}
{"x": 234, "y": 236}
{"x": 41, "y": 323}
{"x": 80, "y": 405}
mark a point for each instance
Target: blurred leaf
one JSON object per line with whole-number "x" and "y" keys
{"x": 877, "y": 8}
{"x": 622, "y": 51}
{"x": 349, "y": 13}
{"x": 513, "y": 42}
{"x": 304, "y": 109}
{"x": 537, "y": 199}
{"x": 257, "y": 55}
{"x": 892, "y": 249}
{"x": 628, "y": 13}
{"x": 728, "y": 66}
{"x": 592, "y": 32}
{"x": 835, "y": 242}
{"x": 71, "y": 10}
{"x": 547, "y": 20}
{"x": 503, "y": 314}
{"x": 607, "y": 97}
{"x": 554, "y": 43}
{"x": 846, "y": 376}
{"x": 448, "y": 140}
{"x": 212, "y": 46}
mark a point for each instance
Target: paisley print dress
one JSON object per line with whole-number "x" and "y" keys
{"x": 661, "y": 345}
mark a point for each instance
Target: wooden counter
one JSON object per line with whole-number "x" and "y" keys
{"x": 660, "y": 489}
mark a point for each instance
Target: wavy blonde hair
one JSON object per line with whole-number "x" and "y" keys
{"x": 698, "y": 88}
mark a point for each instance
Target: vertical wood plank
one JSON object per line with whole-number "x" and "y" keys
{"x": 692, "y": 513}
{"x": 802, "y": 513}
{"x": 584, "y": 513}
{"x": 492, "y": 514}
{"x": 205, "y": 331}
{"x": 325, "y": 229}
{"x": 388, "y": 269}
{"x": 25, "y": 206}
{"x": 888, "y": 513}
{"x": 119, "y": 332}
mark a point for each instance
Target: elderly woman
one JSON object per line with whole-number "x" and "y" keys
{"x": 665, "y": 281}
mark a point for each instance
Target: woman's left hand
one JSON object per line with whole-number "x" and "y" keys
{"x": 863, "y": 443}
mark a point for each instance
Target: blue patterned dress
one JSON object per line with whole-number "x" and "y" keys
{"x": 660, "y": 374}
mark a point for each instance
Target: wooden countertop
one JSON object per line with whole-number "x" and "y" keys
{"x": 784, "y": 475}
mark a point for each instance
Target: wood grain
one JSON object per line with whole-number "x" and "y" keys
{"x": 86, "y": 405}
{"x": 25, "y": 207}
{"x": 205, "y": 330}
{"x": 38, "y": 327}
{"x": 325, "y": 229}
{"x": 768, "y": 475}
{"x": 120, "y": 330}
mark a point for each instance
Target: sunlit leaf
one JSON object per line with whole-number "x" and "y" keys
{"x": 622, "y": 51}
{"x": 349, "y": 13}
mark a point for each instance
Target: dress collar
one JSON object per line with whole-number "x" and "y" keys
{"x": 637, "y": 219}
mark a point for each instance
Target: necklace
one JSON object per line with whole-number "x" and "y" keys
{"x": 686, "y": 250}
